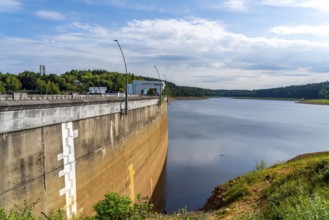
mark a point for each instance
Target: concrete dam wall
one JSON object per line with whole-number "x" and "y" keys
{"x": 69, "y": 153}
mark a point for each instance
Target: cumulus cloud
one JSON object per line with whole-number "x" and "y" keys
{"x": 238, "y": 5}
{"x": 95, "y": 30}
{"x": 231, "y": 5}
{"x": 301, "y": 29}
{"x": 51, "y": 15}
{"x": 142, "y": 5}
{"x": 10, "y": 5}
{"x": 322, "y": 5}
{"x": 191, "y": 51}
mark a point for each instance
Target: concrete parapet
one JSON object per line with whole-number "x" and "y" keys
{"x": 25, "y": 96}
{"x": 27, "y": 114}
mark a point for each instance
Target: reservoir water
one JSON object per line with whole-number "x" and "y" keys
{"x": 214, "y": 140}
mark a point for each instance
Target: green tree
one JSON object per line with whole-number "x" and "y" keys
{"x": 324, "y": 94}
{"x": 53, "y": 88}
{"x": 29, "y": 79}
{"x": 11, "y": 82}
{"x": 69, "y": 82}
{"x": 41, "y": 86}
{"x": 2, "y": 87}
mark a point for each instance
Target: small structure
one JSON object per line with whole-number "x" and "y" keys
{"x": 146, "y": 87}
{"x": 97, "y": 90}
{"x": 42, "y": 70}
{"x": 78, "y": 83}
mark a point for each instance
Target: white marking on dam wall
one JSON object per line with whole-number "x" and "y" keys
{"x": 68, "y": 158}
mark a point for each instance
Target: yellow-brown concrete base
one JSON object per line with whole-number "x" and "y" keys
{"x": 113, "y": 153}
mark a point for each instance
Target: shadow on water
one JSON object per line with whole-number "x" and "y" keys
{"x": 158, "y": 197}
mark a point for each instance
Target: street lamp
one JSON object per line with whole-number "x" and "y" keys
{"x": 160, "y": 79}
{"x": 126, "y": 90}
{"x": 167, "y": 85}
{"x": 157, "y": 71}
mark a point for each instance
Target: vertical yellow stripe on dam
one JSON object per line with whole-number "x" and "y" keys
{"x": 132, "y": 182}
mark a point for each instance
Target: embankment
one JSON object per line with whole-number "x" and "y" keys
{"x": 297, "y": 189}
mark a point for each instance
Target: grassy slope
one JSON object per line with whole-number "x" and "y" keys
{"x": 297, "y": 189}
{"x": 316, "y": 101}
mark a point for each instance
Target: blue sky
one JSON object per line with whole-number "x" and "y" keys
{"x": 218, "y": 44}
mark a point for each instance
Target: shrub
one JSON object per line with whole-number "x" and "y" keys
{"x": 235, "y": 191}
{"x": 320, "y": 171}
{"x": 260, "y": 165}
{"x": 19, "y": 213}
{"x": 298, "y": 207}
{"x": 2, "y": 214}
{"x": 116, "y": 207}
{"x": 55, "y": 215}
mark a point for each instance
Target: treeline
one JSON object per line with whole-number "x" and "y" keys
{"x": 186, "y": 91}
{"x": 309, "y": 91}
{"x": 72, "y": 81}
{"x": 81, "y": 80}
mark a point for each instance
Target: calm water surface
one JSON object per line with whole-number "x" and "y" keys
{"x": 212, "y": 141}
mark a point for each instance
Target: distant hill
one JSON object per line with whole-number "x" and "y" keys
{"x": 309, "y": 91}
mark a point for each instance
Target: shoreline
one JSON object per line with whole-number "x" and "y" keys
{"x": 174, "y": 98}
{"x": 269, "y": 98}
{"x": 296, "y": 100}
{"x": 315, "y": 102}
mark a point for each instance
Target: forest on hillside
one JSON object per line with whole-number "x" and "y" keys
{"x": 309, "y": 91}
{"x": 72, "y": 81}
{"x": 81, "y": 80}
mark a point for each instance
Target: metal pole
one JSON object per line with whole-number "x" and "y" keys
{"x": 167, "y": 85}
{"x": 126, "y": 90}
{"x": 157, "y": 71}
{"x": 160, "y": 79}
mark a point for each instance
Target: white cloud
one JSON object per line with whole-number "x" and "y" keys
{"x": 142, "y": 5}
{"x": 193, "y": 51}
{"x": 301, "y": 29}
{"x": 95, "y": 30}
{"x": 237, "y": 5}
{"x": 51, "y": 15}
{"x": 10, "y": 5}
{"x": 224, "y": 5}
{"x": 322, "y": 5}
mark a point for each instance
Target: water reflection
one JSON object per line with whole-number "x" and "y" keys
{"x": 211, "y": 141}
{"x": 158, "y": 197}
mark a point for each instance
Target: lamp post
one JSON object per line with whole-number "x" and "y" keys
{"x": 157, "y": 71}
{"x": 160, "y": 79}
{"x": 126, "y": 90}
{"x": 167, "y": 85}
